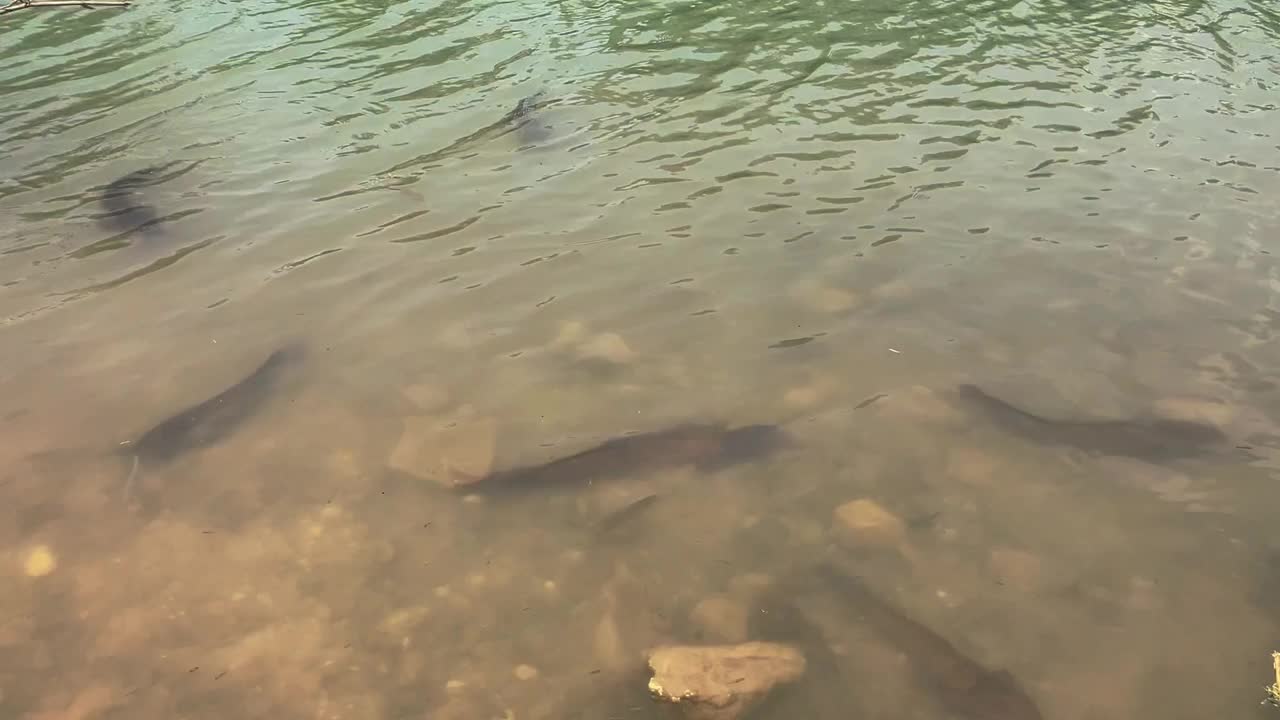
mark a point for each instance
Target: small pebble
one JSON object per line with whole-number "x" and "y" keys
{"x": 833, "y": 300}
{"x": 40, "y": 562}
{"x": 800, "y": 397}
{"x": 526, "y": 672}
{"x": 606, "y": 346}
{"x": 570, "y": 331}
{"x": 971, "y": 466}
{"x": 1196, "y": 410}
{"x": 866, "y": 522}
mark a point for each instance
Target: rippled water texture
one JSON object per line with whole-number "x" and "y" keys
{"x": 498, "y": 233}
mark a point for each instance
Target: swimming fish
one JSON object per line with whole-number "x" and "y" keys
{"x": 1142, "y": 438}
{"x": 126, "y": 207}
{"x": 531, "y": 128}
{"x": 210, "y": 421}
{"x": 956, "y": 680}
{"x": 619, "y": 521}
{"x": 821, "y": 693}
{"x": 708, "y": 447}
{"x": 525, "y": 107}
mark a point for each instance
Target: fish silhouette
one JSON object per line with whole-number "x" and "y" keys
{"x": 708, "y": 447}
{"x": 126, "y": 206}
{"x": 821, "y": 693}
{"x": 957, "y": 681}
{"x": 1142, "y": 438}
{"x": 620, "y": 521}
{"x": 526, "y": 120}
{"x": 197, "y": 426}
{"x": 208, "y": 422}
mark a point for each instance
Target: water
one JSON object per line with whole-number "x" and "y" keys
{"x": 820, "y": 216}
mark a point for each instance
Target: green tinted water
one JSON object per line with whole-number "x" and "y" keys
{"x": 821, "y": 216}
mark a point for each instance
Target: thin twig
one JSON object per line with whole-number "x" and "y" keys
{"x": 17, "y": 5}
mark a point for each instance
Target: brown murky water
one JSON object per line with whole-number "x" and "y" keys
{"x": 821, "y": 218}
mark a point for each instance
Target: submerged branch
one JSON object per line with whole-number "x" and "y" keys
{"x": 16, "y": 5}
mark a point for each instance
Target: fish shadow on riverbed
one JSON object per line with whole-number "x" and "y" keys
{"x": 1143, "y": 438}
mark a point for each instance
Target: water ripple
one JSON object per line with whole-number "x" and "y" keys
{"x": 758, "y": 121}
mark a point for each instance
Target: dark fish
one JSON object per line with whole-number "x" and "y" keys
{"x": 821, "y": 693}
{"x": 525, "y": 107}
{"x": 210, "y": 421}
{"x": 708, "y": 447}
{"x": 1143, "y": 438}
{"x": 531, "y": 128}
{"x": 620, "y": 520}
{"x": 125, "y": 205}
{"x": 957, "y": 681}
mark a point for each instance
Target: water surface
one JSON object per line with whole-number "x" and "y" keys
{"x": 820, "y": 216}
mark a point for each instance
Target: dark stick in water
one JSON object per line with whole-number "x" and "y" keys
{"x": 957, "y": 680}
{"x": 707, "y": 446}
{"x": 208, "y": 422}
{"x": 1143, "y": 438}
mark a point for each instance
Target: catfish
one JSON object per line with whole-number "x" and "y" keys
{"x": 1141, "y": 438}
{"x": 212, "y": 420}
{"x": 209, "y": 422}
{"x": 523, "y": 118}
{"x": 706, "y": 446}
{"x": 126, "y": 208}
{"x": 957, "y": 681}
{"x": 822, "y": 692}
{"x": 197, "y": 426}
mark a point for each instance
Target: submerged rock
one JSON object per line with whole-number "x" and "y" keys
{"x": 721, "y": 619}
{"x": 40, "y": 562}
{"x": 866, "y": 522}
{"x": 826, "y": 299}
{"x": 606, "y": 346}
{"x": 448, "y": 453}
{"x": 721, "y": 682}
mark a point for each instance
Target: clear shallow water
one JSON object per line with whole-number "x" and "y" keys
{"x": 736, "y": 212}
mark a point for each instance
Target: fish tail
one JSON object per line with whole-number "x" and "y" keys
{"x": 998, "y": 408}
